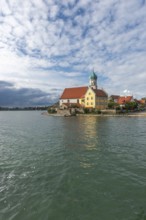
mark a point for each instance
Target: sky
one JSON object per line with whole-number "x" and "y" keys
{"x": 48, "y": 45}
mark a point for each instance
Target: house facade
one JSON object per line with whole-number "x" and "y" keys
{"x": 87, "y": 97}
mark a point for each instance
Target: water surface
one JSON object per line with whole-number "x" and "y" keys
{"x": 79, "y": 168}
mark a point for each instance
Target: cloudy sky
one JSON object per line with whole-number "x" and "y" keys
{"x": 46, "y": 45}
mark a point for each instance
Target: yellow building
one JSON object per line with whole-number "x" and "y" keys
{"x": 87, "y": 97}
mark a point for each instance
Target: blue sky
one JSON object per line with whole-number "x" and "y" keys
{"x": 47, "y": 45}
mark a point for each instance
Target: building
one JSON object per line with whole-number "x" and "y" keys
{"x": 87, "y": 96}
{"x": 114, "y": 98}
{"x": 122, "y": 100}
{"x": 141, "y": 103}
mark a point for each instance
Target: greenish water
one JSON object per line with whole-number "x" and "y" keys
{"x": 83, "y": 168}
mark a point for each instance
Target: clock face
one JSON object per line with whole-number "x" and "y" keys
{"x": 92, "y": 82}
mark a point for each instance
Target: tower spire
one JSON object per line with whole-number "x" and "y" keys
{"x": 93, "y": 80}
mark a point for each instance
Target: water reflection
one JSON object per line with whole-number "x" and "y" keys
{"x": 91, "y": 145}
{"x": 86, "y": 164}
{"x": 81, "y": 132}
{"x": 90, "y": 132}
{"x": 89, "y": 126}
{"x": 81, "y": 139}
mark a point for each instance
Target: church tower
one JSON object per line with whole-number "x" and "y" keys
{"x": 93, "y": 80}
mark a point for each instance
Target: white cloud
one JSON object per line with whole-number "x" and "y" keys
{"x": 4, "y": 8}
{"x": 44, "y": 44}
{"x": 53, "y": 11}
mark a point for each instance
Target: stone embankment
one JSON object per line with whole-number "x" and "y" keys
{"x": 64, "y": 112}
{"x": 61, "y": 112}
{"x": 69, "y": 112}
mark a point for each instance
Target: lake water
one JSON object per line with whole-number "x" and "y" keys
{"x": 78, "y": 168}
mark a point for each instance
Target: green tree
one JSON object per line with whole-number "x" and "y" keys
{"x": 131, "y": 105}
{"x": 113, "y": 105}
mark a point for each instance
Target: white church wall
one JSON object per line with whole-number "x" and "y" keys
{"x": 68, "y": 101}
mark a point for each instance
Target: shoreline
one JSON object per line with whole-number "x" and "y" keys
{"x": 139, "y": 114}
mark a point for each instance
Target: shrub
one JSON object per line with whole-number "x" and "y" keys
{"x": 86, "y": 110}
{"x": 51, "y": 110}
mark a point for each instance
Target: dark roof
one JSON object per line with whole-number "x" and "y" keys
{"x": 100, "y": 93}
{"x": 114, "y": 96}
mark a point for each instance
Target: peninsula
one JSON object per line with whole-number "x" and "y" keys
{"x": 91, "y": 100}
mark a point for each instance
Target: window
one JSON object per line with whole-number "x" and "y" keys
{"x": 87, "y": 103}
{"x": 91, "y": 98}
{"x": 87, "y": 98}
{"x": 91, "y": 103}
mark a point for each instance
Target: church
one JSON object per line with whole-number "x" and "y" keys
{"x": 86, "y": 96}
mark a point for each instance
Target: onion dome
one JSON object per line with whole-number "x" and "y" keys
{"x": 93, "y": 76}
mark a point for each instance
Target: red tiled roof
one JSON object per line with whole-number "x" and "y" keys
{"x": 79, "y": 92}
{"x": 124, "y": 99}
{"x": 74, "y": 93}
{"x": 142, "y": 101}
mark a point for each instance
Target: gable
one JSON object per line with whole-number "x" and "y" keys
{"x": 97, "y": 92}
{"x": 89, "y": 92}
